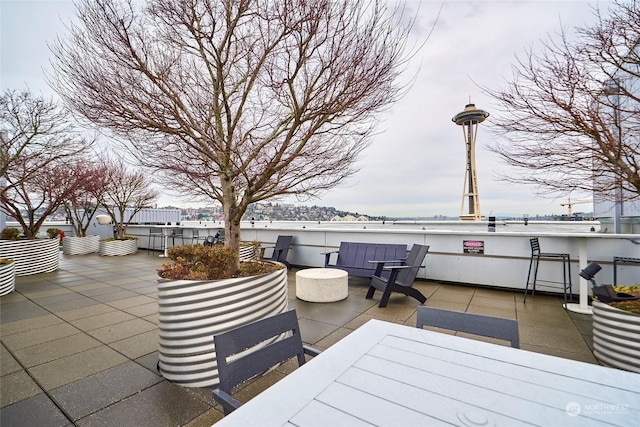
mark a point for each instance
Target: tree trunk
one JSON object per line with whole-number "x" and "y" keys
{"x": 232, "y": 216}
{"x": 121, "y": 230}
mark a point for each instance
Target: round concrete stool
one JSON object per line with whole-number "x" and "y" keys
{"x": 322, "y": 284}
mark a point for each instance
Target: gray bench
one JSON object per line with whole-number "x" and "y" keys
{"x": 358, "y": 259}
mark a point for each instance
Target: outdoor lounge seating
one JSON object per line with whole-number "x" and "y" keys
{"x": 488, "y": 326}
{"x": 234, "y": 370}
{"x": 360, "y": 259}
{"x": 280, "y": 250}
{"x": 401, "y": 276}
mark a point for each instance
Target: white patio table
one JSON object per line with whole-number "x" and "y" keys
{"x": 392, "y": 375}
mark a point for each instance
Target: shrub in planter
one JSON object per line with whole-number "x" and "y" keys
{"x": 631, "y": 306}
{"x": 113, "y": 239}
{"x": 53, "y": 233}
{"x": 199, "y": 262}
{"x": 10, "y": 234}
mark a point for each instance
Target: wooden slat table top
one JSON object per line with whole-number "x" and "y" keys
{"x": 392, "y": 375}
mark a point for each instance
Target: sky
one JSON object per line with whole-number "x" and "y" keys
{"x": 416, "y": 163}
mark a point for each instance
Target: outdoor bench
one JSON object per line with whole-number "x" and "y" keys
{"x": 359, "y": 259}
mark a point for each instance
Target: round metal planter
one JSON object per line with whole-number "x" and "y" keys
{"x": 73, "y": 245}
{"x": 32, "y": 256}
{"x": 616, "y": 337}
{"x": 7, "y": 278}
{"x": 192, "y": 312}
{"x": 248, "y": 252}
{"x": 118, "y": 247}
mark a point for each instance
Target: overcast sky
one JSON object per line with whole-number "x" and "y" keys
{"x": 415, "y": 166}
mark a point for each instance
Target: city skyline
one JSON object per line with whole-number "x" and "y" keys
{"x": 415, "y": 165}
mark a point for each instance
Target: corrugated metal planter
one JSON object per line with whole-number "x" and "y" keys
{"x": 192, "y": 312}
{"x": 616, "y": 337}
{"x": 248, "y": 251}
{"x": 73, "y": 245}
{"x": 118, "y": 247}
{"x": 7, "y": 278}
{"x": 32, "y": 256}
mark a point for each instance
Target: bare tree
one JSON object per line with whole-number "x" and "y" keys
{"x": 236, "y": 100}
{"x": 571, "y": 113}
{"x": 35, "y": 132}
{"x": 124, "y": 189}
{"x": 81, "y": 206}
{"x": 39, "y": 145}
{"x": 31, "y": 197}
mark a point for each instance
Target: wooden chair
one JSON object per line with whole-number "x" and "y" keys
{"x": 281, "y": 250}
{"x": 269, "y": 352}
{"x": 401, "y": 278}
{"x": 494, "y": 327}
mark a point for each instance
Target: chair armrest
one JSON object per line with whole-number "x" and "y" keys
{"x": 380, "y": 265}
{"x": 401, "y": 267}
{"x": 388, "y": 261}
{"x": 229, "y": 404}
{"x": 397, "y": 268}
{"x": 327, "y": 257}
{"x": 310, "y": 350}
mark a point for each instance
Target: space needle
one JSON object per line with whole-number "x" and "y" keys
{"x": 469, "y": 119}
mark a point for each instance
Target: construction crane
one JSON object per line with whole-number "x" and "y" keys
{"x": 570, "y": 204}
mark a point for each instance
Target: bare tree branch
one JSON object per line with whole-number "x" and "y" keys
{"x": 35, "y": 132}
{"x": 123, "y": 189}
{"x": 81, "y": 206}
{"x": 571, "y": 113}
{"x": 236, "y": 100}
{"x": 39, "y": 145}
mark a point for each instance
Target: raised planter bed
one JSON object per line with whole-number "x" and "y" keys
{"x": 81, "y": 245}
{"x": 616, "y": 337}
{"x": 192, "y": 312}
{"x": 248, "y": 251}
{"x": 32, "y": 256}
{"x": 118, "y": 247}
{"x": 7, "y": 278}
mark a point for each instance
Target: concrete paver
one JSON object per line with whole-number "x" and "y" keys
{"x": 79, "y": 346}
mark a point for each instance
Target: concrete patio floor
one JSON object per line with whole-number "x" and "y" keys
{"x": 79, "y": 346}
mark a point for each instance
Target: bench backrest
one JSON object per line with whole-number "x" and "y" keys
{"x": 355, "y": 254}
